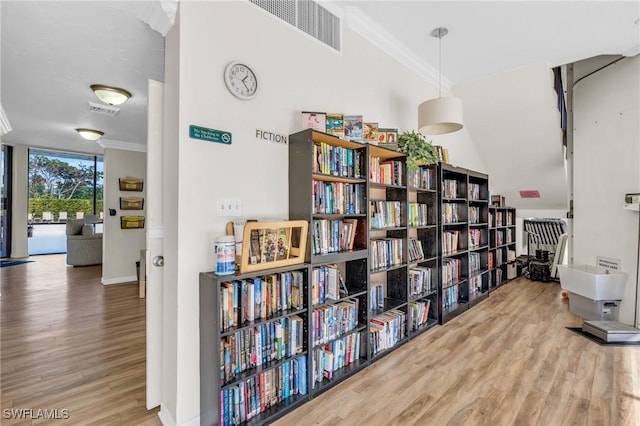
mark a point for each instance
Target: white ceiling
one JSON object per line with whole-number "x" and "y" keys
{"x": 486, "y": 38}
{"x": 53, "y": 50}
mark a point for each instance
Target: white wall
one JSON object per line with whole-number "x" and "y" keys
{"x": 295, "y": 73}
{"x": 20, "y": 203}
{"x": 606, "y": 153}
{"x": 121, "y": 247}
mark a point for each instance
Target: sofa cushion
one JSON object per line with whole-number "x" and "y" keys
{"x": 74, "y": 227}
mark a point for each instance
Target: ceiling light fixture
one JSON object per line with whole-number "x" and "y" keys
{"x": 90, "y": 134}
{"x": 441, "y": 115}
{"x": 110, "y": 95}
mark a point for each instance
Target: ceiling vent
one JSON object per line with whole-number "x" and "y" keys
{"x": 307, "y": 16}
{"x": 103, "y": 109}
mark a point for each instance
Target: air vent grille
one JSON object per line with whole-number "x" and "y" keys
{"x": 103, "y": 109}
{"x": 308, "y": 16}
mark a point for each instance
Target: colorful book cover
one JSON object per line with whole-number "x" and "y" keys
{"x": 314, "y": 120}
{"x": 387, "y": 136}
{"x": 370, "y": 133}
{"x": 282, "y": 244}
{"x": 335, "y": 124}
{"x": 353, "y": 127}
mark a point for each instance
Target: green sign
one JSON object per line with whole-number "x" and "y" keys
{"x": 209, "y": 135}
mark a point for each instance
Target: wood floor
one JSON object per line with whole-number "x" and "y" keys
{"x": 508, "y": 361}
{"x": 70, "y": 344}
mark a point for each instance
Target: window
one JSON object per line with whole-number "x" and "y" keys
{"x": 62, "y": 186}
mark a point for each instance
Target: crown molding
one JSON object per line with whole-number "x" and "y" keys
{"x": 375, "y": 33}
{"x": 160, "y": 15}
{"x": 5, "y": 127}
{"x": 125, "y": 146}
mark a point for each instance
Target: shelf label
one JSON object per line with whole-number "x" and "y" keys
{"x": 209, "y": 135}
{"x": 608, "y": 264}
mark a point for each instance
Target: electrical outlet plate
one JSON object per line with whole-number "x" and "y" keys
{"x": 228, "y": 207}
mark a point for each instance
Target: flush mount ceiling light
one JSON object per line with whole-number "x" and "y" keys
{"x": 90, "y": 134}
{"x": 441, "y": 115}
{"x": 110, "y": 95}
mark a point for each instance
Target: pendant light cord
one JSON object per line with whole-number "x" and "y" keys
{"x": 439, "y": 64}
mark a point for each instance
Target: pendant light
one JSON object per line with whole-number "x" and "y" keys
{"x": 441, "y": 115}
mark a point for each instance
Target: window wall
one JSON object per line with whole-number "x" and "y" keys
{"x": 63, "y": 186}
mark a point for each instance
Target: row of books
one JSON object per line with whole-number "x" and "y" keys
{"x": 249, "y": 398}
{"x": 386, "y": 252}
{"x": 500, "y": 237}
{"x": 338, "y": 161}
{"x": 259, "y": 345}
{"x": 474, "y": 191}
{"x": 450, "y": 188}
{"x": 418, "y": 313}
{"x": 450, "y": 213}
{"x": 418, "y": 214}
{"x": 450, "y": 242}
{"x": 504, "y": 219}
{"x": 334, "y": 356}
{"x": 326, "y": 284}
{"x": 331, "y": 321}
{"x": 415, "y": 250}
{"x": 389, "y": 172}
{"x": 451, "y": 272}
{"x": 376, "y": 297}
{"x": 260, "y": 297}
{"x": 386, "y": 330}
{"x": 491, "y": 260}
{"x": 332, "y": 236}
{"x": 474, "y": 263}
{"x": 422, "y": 178}
{"x": 475, "y": 285}
{"x": 450, "y": 297}
{"x": 498, "y": 277}
{"x": 420, "y": 281}
{"x": 338, "y": 198}
{"x": 501, "y": 256}
{"x": 475, "y": 238}
{"x": 385, "y": 214}
{"x": 474, "y": 214}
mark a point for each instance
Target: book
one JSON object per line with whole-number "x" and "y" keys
{"x": 269, "y": 245}
{"x": 335, "y": 124}
{"x": 314, "y": 120}
{"x": 282, "y": 244}
{"x": 353, "y": 127}
{"x": 254, "y": 247}
{"x": 370, "y": 132}
{"x": 387, "y": 136}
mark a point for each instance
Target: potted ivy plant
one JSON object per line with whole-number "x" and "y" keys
{"x": 419, "y": 151}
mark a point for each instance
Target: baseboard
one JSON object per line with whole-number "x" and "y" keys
{"x": 119, "y": 280}
{"x": 167, "y": 420}
{"x": 165, "y": 416}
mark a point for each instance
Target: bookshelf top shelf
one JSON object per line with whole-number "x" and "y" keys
{"x": 385, "y": 153}
{"x": 333, "y": 178}
{"x": 318, "y": 136}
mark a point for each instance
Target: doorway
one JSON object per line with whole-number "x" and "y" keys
{"x": 5, "y": 200}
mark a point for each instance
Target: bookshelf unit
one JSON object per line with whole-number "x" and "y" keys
{"x": 479, "y": 276}
{"x": 254, "y": 345}
{"x": 328, "y": 187}
{"x": 502, "y": 239}
{"x": 464, "y": 239}
{"x": 424, "y": 268}
{"x": 388, "y": 239}
{"x": 453, "y": 240}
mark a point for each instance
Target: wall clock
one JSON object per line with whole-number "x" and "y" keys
{"x": 241, "y": 80}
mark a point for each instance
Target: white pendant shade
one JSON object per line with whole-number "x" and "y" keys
{"x": 439, "y": 116}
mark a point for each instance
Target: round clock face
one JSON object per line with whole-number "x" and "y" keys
{"x": 241, "y": 80}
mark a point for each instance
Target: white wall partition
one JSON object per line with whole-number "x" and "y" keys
{"x": 606, "y": 166}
